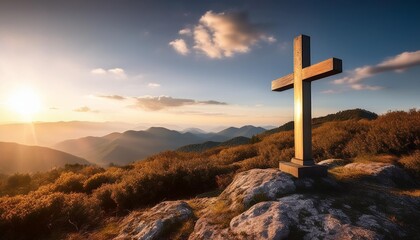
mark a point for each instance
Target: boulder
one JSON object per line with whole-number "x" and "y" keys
{"x": 264, "y": 220}
{"x": 384, "y": 173}
{"x": 204, "y": 230}
{"x": 297, "y": 215}
{"x": 153, "y": 223}
{"x": 257, "y": 185}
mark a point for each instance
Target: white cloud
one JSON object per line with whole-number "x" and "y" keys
{"x": 113, "y": 97}
{"x": 219, "y": 35}
{"x": 398, "y": 63}
{"x": 331, "y": 91}
{"x": 98, "y": 71}
{"x": 151, "y": 103}
{"x": 153, "y": 85}
{"x": 185, "y": 31}
{"x": 85, "y": 109}
{"x": 358, "y": 86}
{"x": 118, "y": 73}
{"x": 180, "y": 46}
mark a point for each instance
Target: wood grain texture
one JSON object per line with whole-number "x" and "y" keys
{"x": 302, "y": 99}
{"x": 283, "y": 83}
{"x": 321, "y": 70}
{"x": 300, "y": 80}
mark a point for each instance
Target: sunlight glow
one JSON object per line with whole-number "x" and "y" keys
{"x": 25, "y": 101}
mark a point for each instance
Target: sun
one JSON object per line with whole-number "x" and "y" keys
{"x": 25, "y": 101}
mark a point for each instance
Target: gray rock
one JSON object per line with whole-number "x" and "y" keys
{"x": 204, "y": 230}
{"x": 332, "y": 163}
{"x": 385, "y": 173}
{"x": 313, "y": 218}
{"x": 264, "y": 220}
{"x": 257, "y": 185}
{"x": 151, "y": 224}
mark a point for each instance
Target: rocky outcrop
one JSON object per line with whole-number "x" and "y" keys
{"x": 298, "y": 215}
{"x": 269, "y": 204}
{"x": 152, "y": 224}
{"x": 257, "y": 185}
{"x": 205, "y": 229}
{"x": 384, "y": 173}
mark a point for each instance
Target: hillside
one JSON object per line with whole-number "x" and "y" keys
{"x": 200, "y": 147}
{"x": 372, "y": 191}
{"x": 232, "y": 132}
{"x": 25, "y": 159}
{"x": 351, "y": 114}
{"x": 47, "y": 134}
{"x": 123, "y": 148}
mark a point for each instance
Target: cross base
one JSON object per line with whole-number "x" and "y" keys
{"x": 298, "y": 169}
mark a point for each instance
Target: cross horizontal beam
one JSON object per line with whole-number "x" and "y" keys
{"x": 314, "y": 72}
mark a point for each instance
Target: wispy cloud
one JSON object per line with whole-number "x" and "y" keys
{"x": 117, "y": 73}
{"x": 398, "y": 63}
{"x": 155, "y": 103}
{"x": 180, "y": 46}
{"x": 113, "y": 97}
{"x": 153, "y": 85}
{"x": 85, "y": 109}
{"x": 220, "y": 35}
{"x": 198, "y": 113}
{"x": 331, "y": 91}
{"x": 98, "y": 71}
{"x": 185, "y": 31}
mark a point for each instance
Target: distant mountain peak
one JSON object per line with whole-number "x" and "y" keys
{"x": 15, "y": 157}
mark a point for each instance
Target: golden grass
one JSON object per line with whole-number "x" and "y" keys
{"x": 383, "y": 158}
{"x": 411, "y": 193}
{"x": 345, "y": 174}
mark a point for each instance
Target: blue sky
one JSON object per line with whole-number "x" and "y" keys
{"x": 114, "y": 61}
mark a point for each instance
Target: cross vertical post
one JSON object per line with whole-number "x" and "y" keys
{"x": 302, "y": 102}
{"x": 303, "y": 165}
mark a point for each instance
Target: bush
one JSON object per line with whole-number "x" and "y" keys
{"x": 18, "y": 184}
{"x": 393, "y": 133}
{"x": 69, "y": 182}
{"x": 412, "y": 163}
{"x": 330, "y": 139}
{"x": 98, "y": 180}
{"x": 39, "y": 214}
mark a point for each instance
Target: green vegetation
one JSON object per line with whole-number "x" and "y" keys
{"x": 76, "y": 199}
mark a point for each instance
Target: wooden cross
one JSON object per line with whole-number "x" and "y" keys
{"x": 304, "y": 73}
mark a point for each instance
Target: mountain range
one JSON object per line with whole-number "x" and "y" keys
{"x": 47, "y": 134}
{"x": 25, "y": 159}
{"x": 355, "y": 114}
{"x": 129, "y": 146}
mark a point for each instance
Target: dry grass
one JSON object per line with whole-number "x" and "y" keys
{"x": 411, "y": 193}
{"x": 347, "y": 175}
{"x": 221, "y": 214}
{"x": 383, "y": 158}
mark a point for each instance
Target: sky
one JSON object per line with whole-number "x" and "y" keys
{"x": 200, "y": 63}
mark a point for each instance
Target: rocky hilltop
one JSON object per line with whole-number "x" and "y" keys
{"x": 270, "y": 204}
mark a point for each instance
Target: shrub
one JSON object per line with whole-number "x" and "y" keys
{"x": 18, "y": 184}
{"x": 412, "y": 163}
{"x": 330, "y": 139}
{"x": 39, "y": 214}
{"x": 393, "y": 133}
{"x": 69, "y": 182}
{"x": 97, "y": 180}
{"x": 239, "y": 153}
